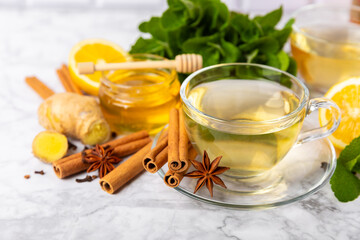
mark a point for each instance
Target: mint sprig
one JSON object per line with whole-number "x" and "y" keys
{"x": 344, "y": 183}
{"x": 208, "y": 28}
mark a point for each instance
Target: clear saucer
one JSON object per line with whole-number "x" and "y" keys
{"x": 304, "y": 170}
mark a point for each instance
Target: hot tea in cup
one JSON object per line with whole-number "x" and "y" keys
{"x": 249, "y": 114}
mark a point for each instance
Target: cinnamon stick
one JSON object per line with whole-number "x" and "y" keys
{"x": 157, "y": 157}
{"x": 173, "y": 179}
{"x": 131, "y": 147}
{"x": 69, "y": 80}
{"x": 355, "y": 12}
{"x": 173, "y": 158}
{"x": 126, "y": 171}
{"x": 123, "y": 147}
{"x": 183, "y": 144}
{"x": 64, "y": 80}
{"x": 39, "y": 87}
{"x": 178, "y": 143}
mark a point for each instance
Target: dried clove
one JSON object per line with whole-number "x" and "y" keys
{"x": 113, "y": 134}
{"x": 40, "y": 172}
{"x": 88, "y": 178}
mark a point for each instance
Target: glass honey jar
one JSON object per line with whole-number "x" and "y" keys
{"x": 134, "y": 100}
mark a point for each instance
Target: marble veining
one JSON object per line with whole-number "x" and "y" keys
{"x": 36, "y": 42}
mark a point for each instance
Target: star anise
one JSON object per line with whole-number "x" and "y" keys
{"x": 102, "y": 158}
{"x": 206, "y": 172}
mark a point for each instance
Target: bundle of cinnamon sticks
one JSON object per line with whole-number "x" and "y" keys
{"x": 44, "y": 91}
{"x": 174, "y": 148}
{"x": 122, "y": 147}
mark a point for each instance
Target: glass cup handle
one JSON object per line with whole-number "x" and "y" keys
{"x": 329, "y": 127}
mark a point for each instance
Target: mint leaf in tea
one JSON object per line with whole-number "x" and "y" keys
{"x": 248, "y": 150}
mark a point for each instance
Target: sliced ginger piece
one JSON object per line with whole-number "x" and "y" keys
{"x": 50, "y": 146}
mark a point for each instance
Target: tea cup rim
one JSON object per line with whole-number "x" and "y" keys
{"x": 302, "y": 102}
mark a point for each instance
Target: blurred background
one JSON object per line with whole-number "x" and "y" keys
{"x": 159, "y": 5}
{"x": 37, "y": 35}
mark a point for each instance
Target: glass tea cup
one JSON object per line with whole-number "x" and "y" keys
{"x": 325, "y": 43}
{"x": 249, "y": 114}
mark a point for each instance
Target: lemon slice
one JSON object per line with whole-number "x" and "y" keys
{"x": 346, "y": 95}
{"x": 96, "y": 51}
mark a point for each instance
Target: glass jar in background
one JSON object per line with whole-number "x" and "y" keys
{"x": 134, "y": 100}
{"x": 326, "y": 45}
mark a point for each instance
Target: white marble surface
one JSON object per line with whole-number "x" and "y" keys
{"x": 36, "y": 42}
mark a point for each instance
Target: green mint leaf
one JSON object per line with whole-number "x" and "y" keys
{"x": 289, "y": 23}
{"x": 233, "y": 37}
{"x": 284, "y": 60}
{"x": 218, "y": 47}
{"x": 231, "y": 52}
{"x": 271, "y": 19}
{"x": 351, "y": 151}
{"x": 155, "y": 28}
{"x": 349, "y": 165}
{"x": 198, "y": 17}
{"x": 210, "y": 56}
{"x": 247, "y": 30}
{"x": 172, "y": 20}
{"x": 176, "y": 5}
{"x": 193, "y": 44}
{"x": 216, "y": 16}
{"x": 356, "y": 167}
{"x": 282, "y": 36}
{"x": 292, "y": 69}
{"x": 147, "y": 45}
{"x": 273, "y": 61}
{"x": 265, "y": 44}
{"x": 224, "y": 16}
{"x": 345, "y": 185}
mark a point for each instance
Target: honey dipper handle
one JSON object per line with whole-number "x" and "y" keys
{"x": 185, "y": 63}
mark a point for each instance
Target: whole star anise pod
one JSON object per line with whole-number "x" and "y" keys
{"x": 102, "y": 158}
{"x": 206, "y": 172}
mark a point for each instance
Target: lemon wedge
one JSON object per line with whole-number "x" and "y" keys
{"x": 346, "y": 95}
{"x": 96, "y": 51}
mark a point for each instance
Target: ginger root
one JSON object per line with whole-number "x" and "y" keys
{"x": 49, "y": 146}
{"x": 75, "y": 116}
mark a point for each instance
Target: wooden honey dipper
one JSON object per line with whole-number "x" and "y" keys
{"x": 184, "y": 63}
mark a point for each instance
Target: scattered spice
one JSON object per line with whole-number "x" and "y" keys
{"x": 71, "y": 146}
{"x": 88, "y": 178}
{"x": 206, "y": 172}
{"x": 113, "y": 134}
{"x": 101, "y": 158}
{"x": 324, "y": 165}
{"x": 40, "y": 172}
{"x": 27, "y": 176}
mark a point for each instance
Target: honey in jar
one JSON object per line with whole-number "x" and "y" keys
{"x": 133, "y": 100}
